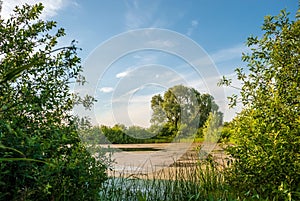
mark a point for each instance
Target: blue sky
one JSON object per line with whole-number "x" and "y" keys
{"x": 214, "y": 24}
{"x": 219, "y": 27}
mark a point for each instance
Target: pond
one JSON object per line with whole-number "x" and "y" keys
{"x": 146, "y": 158}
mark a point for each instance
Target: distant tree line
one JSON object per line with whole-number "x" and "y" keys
{"x": 181, "y": 111}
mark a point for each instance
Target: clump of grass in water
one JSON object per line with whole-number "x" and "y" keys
{"x": 202, "y": 181}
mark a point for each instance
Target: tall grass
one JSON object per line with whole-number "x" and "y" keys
{"x": 199, "y": 180}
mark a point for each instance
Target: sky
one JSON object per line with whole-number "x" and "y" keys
{"x": 132, "y": 50}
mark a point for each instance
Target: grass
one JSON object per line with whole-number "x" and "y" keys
{"x": 188, "y": 179}
{"x": 202, "y": 181}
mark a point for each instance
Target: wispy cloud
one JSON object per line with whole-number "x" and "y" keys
{"x": 131, "y": 108}
{"x": 106, "y": 89}
{"x": 131, "y": 98}
{"x": 230, "y": 53}
{"x": 140, "y": 15}
{"x": 50, "y": 10}
{"x": 162, "y": 43}
{"x": 193, "y": 26}
{"x": 145, "y": 59}
{"x": 124, "y": 73}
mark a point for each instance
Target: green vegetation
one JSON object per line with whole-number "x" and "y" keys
{"x": 212, "y": 128}
{"x": 202, "y": 181}
{"x": 180, "y": 116}
{"x": 41, "y": 156}
{"x": 181, "y": 108}
{"x": 267, "y": 131}
{"x": 120, "y": 134}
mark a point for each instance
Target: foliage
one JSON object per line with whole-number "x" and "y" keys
{"x": 120, "y": 134}
{"x": 226, "y": 132}
{"x": 181, "y": 113}
{"x": 267, "y": 157}
{"x": 202, "y": 181}
{"x": 41, "y": 153}
{"x": 139, "y": 133}
{"x": 212, "y": 127}
{"x": 117, "y": 134}
{"x": 180, "y": 106}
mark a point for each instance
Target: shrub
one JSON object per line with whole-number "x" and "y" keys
{"x": 267, "y": 157}
{"x": 41, "y": 155}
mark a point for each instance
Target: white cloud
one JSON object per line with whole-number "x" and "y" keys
{"x": 193, "y": 26}
{"x": 123, "y": 74}
{"x": 50, "y": 10}
{"x": 106, "y": 89}
{"x": 133, "y": 108}
{"x": 129, "y": 106}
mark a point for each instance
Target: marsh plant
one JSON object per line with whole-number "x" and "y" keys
{"x": 198, "y": 180}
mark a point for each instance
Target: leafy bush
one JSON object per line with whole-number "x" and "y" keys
{"x": 41, "y": 155}
{"x": 267, "y": 157}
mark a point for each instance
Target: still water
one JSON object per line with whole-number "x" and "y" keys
{"x": 145, "y": 158}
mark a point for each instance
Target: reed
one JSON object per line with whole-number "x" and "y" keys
{"x": 196, "y": 180}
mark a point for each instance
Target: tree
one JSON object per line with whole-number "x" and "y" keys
{"x": 226, "y": 132}
{"x": 41, "y": 153}
{"x": 138, "y": 133}
{"x": 212, "y": 127}
{"x": 181, "y": 105}
{"x": 158, "y": 115}
{"x": 267, "y": 156}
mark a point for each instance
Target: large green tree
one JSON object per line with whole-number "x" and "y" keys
{"x": 181, "y": 105}
{"x": 41, "y": 156}
{"x": 267, "y": 131}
